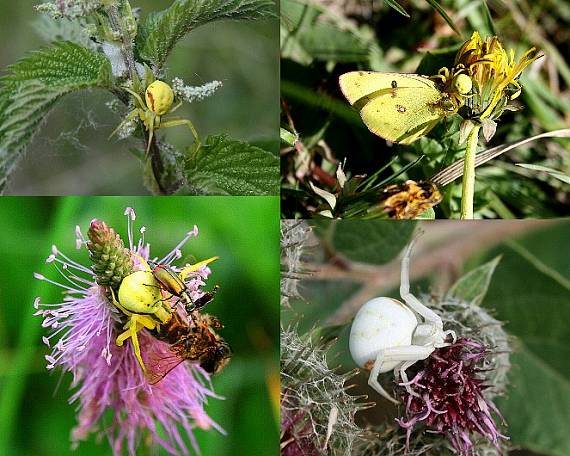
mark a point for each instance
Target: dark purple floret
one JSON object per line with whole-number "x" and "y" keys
{"x": 447, "y": 397}
{"x": 297, "y": 438}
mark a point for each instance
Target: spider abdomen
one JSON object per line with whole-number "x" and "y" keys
{"x": 159, "y": 97}
{"x": 380, "y": 323}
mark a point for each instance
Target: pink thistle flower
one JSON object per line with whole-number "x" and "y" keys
{"x": 447, "y": 397}
{"x": 83, "y": 329}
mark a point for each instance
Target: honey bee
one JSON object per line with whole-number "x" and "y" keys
{"x": 194, "y": 340}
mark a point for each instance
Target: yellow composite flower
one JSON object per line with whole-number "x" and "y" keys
{"x": 493, "y": 70}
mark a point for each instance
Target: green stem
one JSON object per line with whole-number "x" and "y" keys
{"x": 468, "y": 189}
{"x": 118, "y": 25}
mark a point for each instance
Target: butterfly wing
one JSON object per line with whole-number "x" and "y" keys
{"x": 356, "y": 85}
{"x": 403, "y": 118}
{"x": 398, "y": 107}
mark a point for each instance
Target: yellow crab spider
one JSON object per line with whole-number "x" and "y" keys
{"x": 387, "y": 334}
{"x": 158, "y": 102}
{"x": 140, "y": 299}
{"x": 457, "y": 85}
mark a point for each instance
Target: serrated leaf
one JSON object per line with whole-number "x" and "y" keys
{"x": 160, "y": 31}
{"x": 227, "y": 167}
{"x": 538, "y": 405}
{"x": 473, "y": 286}
{"x": 33, "y": 85}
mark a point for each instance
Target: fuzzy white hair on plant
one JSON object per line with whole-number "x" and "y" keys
{"x": 387, "y": 334}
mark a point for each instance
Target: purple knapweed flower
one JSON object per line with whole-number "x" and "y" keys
{"x": 447, "y": 397}
{"x": 83, "y": 329}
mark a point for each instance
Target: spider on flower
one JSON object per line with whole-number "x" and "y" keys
{"x": 387, "y": 334}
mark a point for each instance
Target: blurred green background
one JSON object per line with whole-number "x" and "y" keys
{"x": 74, "y": 141}
{"x": 529, "y": 291}
{"x": 35, "y": 419}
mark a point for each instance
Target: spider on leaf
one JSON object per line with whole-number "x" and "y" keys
{"x": 158, "y": 103}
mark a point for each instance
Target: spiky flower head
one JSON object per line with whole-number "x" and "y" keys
{"x": 446, "y": 397}
{"x": 494, "y": 73}
{"x": 111, "y": 261}
{"x": 317, "y": 413}
{"x": 295, "y": 236}
{"x": 107, "y": 378}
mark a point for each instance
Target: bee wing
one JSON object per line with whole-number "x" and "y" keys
{"x": 159, "y": 365}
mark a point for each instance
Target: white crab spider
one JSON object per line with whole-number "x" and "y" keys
{"x": 389, "y": 335}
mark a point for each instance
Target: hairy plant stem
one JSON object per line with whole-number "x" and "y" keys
{"x": 155, "y": 156}
{"x": 117, "y": 25}
{"x": 468, "y": 189}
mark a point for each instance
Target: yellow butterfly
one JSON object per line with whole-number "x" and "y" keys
{"x": 403, "y": 107}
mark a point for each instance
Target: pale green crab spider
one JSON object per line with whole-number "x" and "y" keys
{"x": 158, "y": 102}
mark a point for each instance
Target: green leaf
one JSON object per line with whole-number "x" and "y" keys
{"x": 473, "y": 286}
{"x": 394, "y": 4}
{"x": 488, "y": 18}
{"x": 428, "y": 214}
{"x": 287, "y": 137}
{"x": 227, "y": 167}
{"x": 538, "y": 406}
{"x": 436, "y": 6}
{"x": 160, "y": 31}
{"x": 553, "y": 172}
{"x": 310, "y": 31}
{"x": 368, "y": 241}
{"x": 531, "y": 293}
{"x": 33, "y": 85}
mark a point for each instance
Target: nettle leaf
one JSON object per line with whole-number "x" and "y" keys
{"x": 33, "y": 85}
{"x": 161, "y": 31}
{"x": 227, "y": 167}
